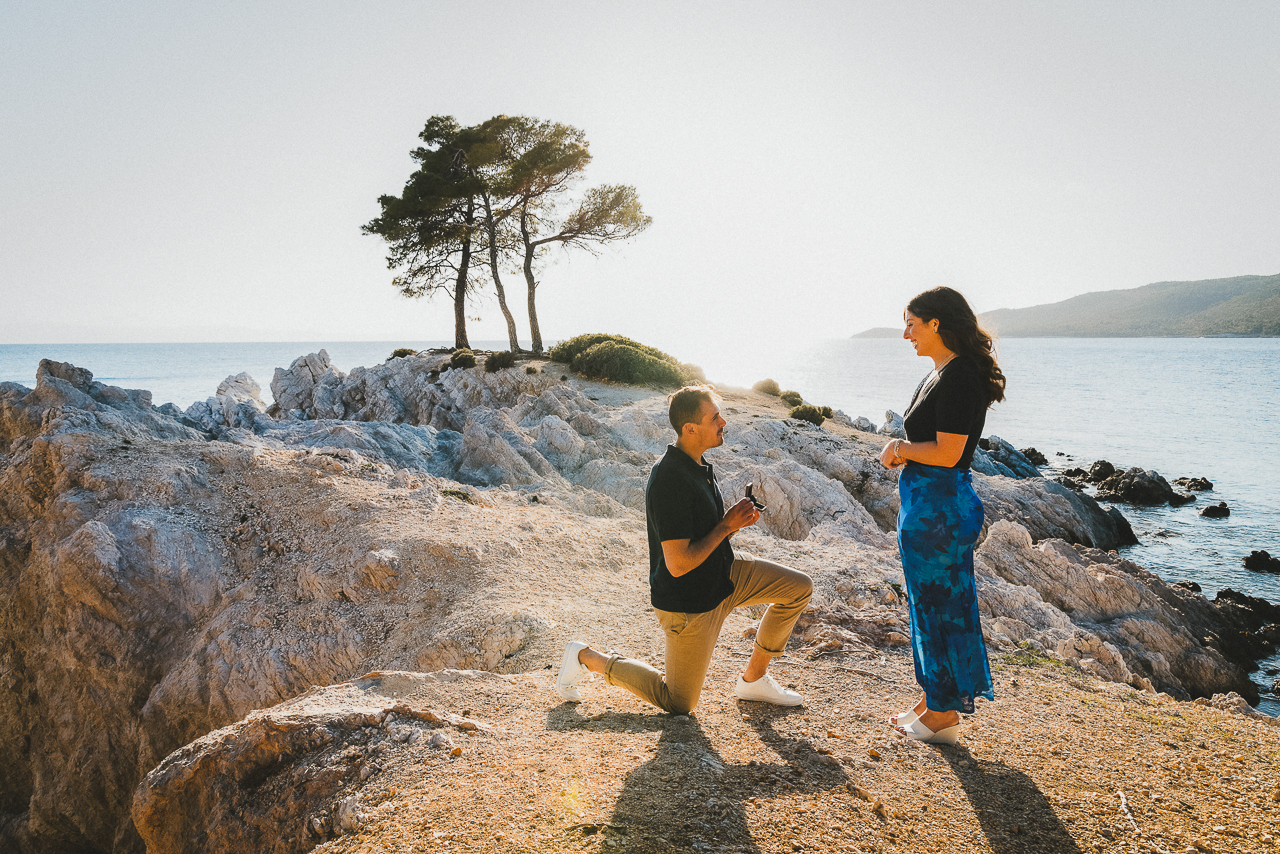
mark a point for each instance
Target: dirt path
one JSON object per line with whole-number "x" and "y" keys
{"x": 1059, "y": 763}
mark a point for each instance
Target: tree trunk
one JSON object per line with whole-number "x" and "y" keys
{"x": 460, "y": 289}
{"x": 535, "y": 334}
{"x": 497, "y": 279}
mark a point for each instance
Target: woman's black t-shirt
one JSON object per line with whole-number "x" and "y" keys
{"x": 955, "y": 402}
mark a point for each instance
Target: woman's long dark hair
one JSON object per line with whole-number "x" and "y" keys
{"x": 962, "y": 334}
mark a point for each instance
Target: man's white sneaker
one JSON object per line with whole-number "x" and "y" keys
{"x": 765, "y": 690}
{"x": 572, "y": 672}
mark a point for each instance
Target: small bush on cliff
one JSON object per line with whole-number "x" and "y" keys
{"x": 611, "y": 360}
{"x": 567, "y": 351}
{"x": 401, "y": 352}
{"x": 826, "y": 411}
{"x": 462, "y": 358}
{"x": 530, "y": 369}
{"x": 768, "y": 387}
{"x": 806, "y": 412}
{"x": 791, "y": 398}
{"x": 499, "y": 360}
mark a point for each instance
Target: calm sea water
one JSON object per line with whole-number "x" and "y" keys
{"x": 1184, "y": 407}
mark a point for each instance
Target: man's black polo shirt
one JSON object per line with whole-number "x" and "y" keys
{"x": 682, "y": 502}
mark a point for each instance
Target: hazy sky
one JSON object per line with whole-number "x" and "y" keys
{"x": 200, "y": 172}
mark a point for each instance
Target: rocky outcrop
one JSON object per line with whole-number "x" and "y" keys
{"x": 892, "y": 426}
{"x": 1139, "y": 486}
{"x": 1103, "y": 614}
{"x": 997, "y": 457}
{"x": 169, "y": 572}
{"x": 1261, "y": 561}
{"x": 271, "y": 770}
{"x": 1216, "y": 511}
{"x": 1250, "y": 627}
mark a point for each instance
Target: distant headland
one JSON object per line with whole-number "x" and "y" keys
{"x": 1239, "y": 307}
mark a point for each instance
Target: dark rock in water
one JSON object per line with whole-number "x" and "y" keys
{"x": 1188, "y": 585}
{"x": 1077, "y": 473}
{"x": 1071, "y": 483}
{"x": 1180, "y": 498}
{"x": 1035, "y": 456}
{"x": 1261, "y": 561}
{"x": 1195, "y": 484}
{"x": 1100, "y": 471}
{"x": 1252, "y": 625}
{"x": 1136, "y": 486}
{"x": 1216, "y": 511}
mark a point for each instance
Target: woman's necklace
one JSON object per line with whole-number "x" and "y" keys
{"x": 938, "y": 370}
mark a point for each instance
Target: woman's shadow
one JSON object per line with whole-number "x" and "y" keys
{"x": 687, "y": 798}
{"x": 1013, "y": 813}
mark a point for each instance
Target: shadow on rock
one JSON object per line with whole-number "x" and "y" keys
{"x": 1014, "y": 814}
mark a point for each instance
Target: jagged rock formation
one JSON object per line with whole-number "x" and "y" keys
{"x": 1139, "y": 486}
{"x": 1105, "y": 614}
{"x": 169, "y": 572}
{"x": 271, "y": 770}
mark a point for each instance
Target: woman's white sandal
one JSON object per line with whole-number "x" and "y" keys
{"x": 906, "y": 718}
{"x": 920, "y": 732}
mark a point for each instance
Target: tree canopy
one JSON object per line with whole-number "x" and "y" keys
{"x": 497, "y": 189}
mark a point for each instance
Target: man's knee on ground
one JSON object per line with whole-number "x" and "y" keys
{"x": 679, "y": 706}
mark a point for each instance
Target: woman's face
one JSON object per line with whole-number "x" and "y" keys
{"x": 923, "y": 335}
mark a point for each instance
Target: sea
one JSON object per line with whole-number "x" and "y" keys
{"x": 1202, "y": 407}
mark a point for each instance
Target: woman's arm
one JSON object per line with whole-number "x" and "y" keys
{"x": 946, "y": 450}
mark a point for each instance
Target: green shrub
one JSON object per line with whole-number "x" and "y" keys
{"x": 693, "y": 375}
{"x": 401, "y": 352}
{"x": 768, "y": 387}
{"x": 530, "y": 369}
{"x": 567, "y": 351}
{"x": 791, "y": 398}
{"x": 611, "y": 360}
{"x": 807, "y": 412}
{"x": 462, "y": 358}
{"x": 826, "y": 411}
{"x": 499, "y": 360}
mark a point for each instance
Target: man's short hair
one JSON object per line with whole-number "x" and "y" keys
{"x": 685, "y": 404}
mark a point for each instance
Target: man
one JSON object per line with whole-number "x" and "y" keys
{"x": 696, "y": 578}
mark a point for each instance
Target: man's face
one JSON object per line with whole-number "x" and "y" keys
{"x": 709, "y": 428}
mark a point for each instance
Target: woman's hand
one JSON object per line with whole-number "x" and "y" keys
{"x": 889, "y": 457}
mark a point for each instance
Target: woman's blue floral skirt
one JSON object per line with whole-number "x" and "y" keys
{"x": 938, "y": 524}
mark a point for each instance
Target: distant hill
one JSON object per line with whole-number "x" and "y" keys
{"x": 1244, "y": 306}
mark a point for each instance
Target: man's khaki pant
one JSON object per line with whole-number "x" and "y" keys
{"x": 691, "y": 638}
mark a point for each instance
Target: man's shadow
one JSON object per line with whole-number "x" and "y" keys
{"x": 687, "y": 798}
{"x": 1013, "y": 813}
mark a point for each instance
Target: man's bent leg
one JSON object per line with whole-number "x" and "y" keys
{"x": 757, "y": 581}
{"x": 691, "y": 639}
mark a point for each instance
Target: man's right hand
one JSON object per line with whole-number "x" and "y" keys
{"x": 683, "y": 556}
{"x": 741, "y": 515}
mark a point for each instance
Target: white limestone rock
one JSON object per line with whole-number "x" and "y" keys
{"x": 1113, "y": 606}
{"x": 892, "y": 426}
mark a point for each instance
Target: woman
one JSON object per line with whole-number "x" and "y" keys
{"x": 941, "y": 516}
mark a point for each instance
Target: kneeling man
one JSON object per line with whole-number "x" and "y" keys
{"x": 696, "y": 579}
